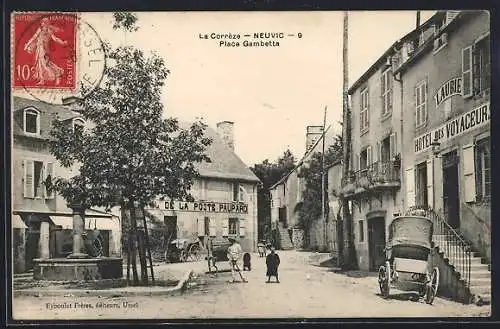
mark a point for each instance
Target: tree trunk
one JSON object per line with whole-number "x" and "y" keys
{"x": 133, "y": 241}
{"x": 142, "y": 258}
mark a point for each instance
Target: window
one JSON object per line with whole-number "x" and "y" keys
{"x": 78, "y": 126}
{"x": 37, "y": 179}
{"x": 481, "y": 66}
{"x": 206, "y": 223}
{"x": 361, "y": 231}
{"x": 233, "y": 226}
{"x": 386, "y": 91}
{"x": 365, "y": 158}
{"x": 31, "y": 122}
{"x": 384, "y": 150}
{"x": 236, "y": 191}
{"x": 421, "y": 103}
{"x": 483, "y": 169}
{"x": 476, "y": 71}
{"x": 364, "y": 111}
{"x": 421, "y": 195}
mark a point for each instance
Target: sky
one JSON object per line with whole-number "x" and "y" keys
{"x": 270, "y": 93}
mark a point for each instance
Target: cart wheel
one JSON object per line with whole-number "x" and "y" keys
{"x": 194, "y": 252}
{"x": 384, "y": 279}
{"x": 432, "y": 286}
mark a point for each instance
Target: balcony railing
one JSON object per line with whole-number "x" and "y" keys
{"x": 378, "y": 174}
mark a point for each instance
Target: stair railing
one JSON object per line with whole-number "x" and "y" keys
{"x": 455, "y": 248}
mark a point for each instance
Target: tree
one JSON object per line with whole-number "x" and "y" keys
{"x": 130, "y": 154}
{"x": 311, "y": 172}
{"x": 270, "y": 173}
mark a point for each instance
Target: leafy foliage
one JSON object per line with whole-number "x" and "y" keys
{"x": 311, "y": 208}
{"x": 131, "y": 153}
{"x": 126, "y": 21}
{"x": 270, "y": 173}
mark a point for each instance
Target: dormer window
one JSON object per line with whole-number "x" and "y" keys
{"x": 31, "y": 121}
{"x": 78, "y": 125}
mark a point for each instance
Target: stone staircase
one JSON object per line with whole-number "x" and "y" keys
{"x": 480, "y": 272}
{"x": 286, "y": 242}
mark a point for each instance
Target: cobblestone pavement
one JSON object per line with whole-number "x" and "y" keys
{"x": 305, "y": 291}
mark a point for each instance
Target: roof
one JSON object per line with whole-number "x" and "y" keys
{"x": 378, "y": 63}
{"x": 224, "y": 164}
{"x": 48, "y": 113}
{"x": 429, "y": 43}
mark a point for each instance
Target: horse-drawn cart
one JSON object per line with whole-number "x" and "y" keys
{"x": 183, "y": 250}
{"x": 407, "y": 258}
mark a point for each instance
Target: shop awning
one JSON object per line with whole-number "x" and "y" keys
{"x": 17, "y": 222}
{"x": 66, "y": 222}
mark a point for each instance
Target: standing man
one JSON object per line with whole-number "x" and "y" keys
{"x": 234, "y": 253}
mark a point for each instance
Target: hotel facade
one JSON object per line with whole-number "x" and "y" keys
{"x": 420, "y": 134}
{"x": 225, "y": 197}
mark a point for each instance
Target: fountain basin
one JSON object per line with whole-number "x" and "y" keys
{"x": 77, "y": 269}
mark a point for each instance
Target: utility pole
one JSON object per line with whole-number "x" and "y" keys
{"x": 323, "y": 185}
{"x": 347, "y": 259}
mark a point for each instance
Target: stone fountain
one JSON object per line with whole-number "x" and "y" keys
{"x": 78, "y": 266}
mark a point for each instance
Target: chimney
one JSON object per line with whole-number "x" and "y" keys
{"x": 418, "y": 20}
{"x": 313, "y": 133}
{"x": 225, "y": 132}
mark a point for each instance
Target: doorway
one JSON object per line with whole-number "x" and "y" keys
{"x": 376, "y": 242}
{"x": 170, "y": 227}
{"x": 451, "y": 199}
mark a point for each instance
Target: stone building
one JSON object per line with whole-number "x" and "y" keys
{"x": 420, "y": 139}
{"x": 446, "y": 143}
{"x": 286, "y": 198}
{"x": 225, "y": 197}
{"x": 41, "y": 220}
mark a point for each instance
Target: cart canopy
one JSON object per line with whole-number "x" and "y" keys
{"x": 410, "y": 231}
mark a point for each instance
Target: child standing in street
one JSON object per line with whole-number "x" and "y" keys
{"x": 272, "y": 262}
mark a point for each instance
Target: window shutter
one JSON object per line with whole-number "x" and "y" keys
{"x": 242, "y": 227}
{"x": 49, "y": 171}
{"x": 369, "y": 156}
{"x": 225, "y": 226}
{"x": 393, "y": 145}
{"x": 367, "y": 113}
{"x": 29, "y": 174}
{"x": 430, "y": 181}
{"x": 379, "y": 152}
{"x": 476, "y": 70}
{"x": 201, "y": 226}
{"x": 211, "y": 227}
{"x": 410, "y": 187}
{"x": 468, "y": 168}
{"x": 416, "y": 94}
{"x": 467, "y": 72}
{"x": 358, "y": 162}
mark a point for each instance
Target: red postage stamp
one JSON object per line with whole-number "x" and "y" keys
{"x": 45, "y": 55}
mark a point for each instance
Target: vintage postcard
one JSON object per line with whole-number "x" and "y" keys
{"x": 250, "y": 165}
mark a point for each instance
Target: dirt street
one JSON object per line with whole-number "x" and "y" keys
{"x": 305, "y": 291}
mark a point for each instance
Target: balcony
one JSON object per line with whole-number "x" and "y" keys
{"x": 378, "y": 176}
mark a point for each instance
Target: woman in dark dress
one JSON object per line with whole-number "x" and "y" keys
{"x": 272, "y": 262}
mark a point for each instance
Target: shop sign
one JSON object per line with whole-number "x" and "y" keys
{"x": 204, "y": 206}
{"x": 468, "y": 121}
{"x": 450, "y": 88}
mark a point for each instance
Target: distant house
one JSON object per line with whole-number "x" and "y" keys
{"x": 286, "y": 199}
{"x": 41, "y": 221}
{"x": 225, "y": 197}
